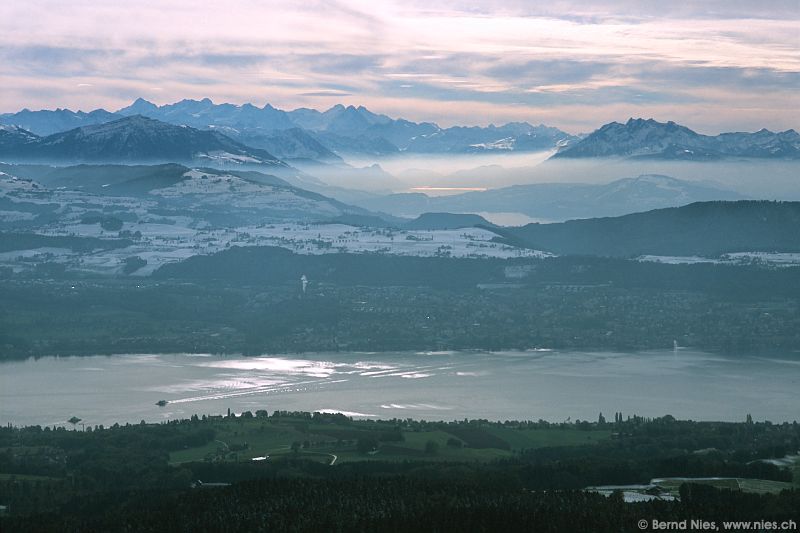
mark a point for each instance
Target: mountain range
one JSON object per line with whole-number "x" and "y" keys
{"x": 315, "y": 134}
{"x": 310, "y": 135}
{"x": 649, "y": 139}
{"x": 131, "y": 139}
{"x": 49, "y": 121}
{"x": 137, "y": 139}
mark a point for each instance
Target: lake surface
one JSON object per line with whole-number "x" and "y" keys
{"x": 533, "y": 385}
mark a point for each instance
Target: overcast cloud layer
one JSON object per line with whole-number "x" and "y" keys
{"x": 714, "y": 65}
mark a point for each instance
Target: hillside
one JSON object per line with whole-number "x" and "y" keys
{"x": 270, "y": 265}
{"x": 13, "y": 138}
{"x": 48, "y": 122}
{"x": 434, "y": 221}
{"x": 138, "y": 139}
{"x": 35, "y": 196}
{"x": 703, "y": 229}
{"x": 291, "y": 144}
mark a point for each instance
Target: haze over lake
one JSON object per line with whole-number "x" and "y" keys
{"x": 534, "y": 385}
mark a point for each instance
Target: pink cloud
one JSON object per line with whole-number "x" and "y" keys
{"x": 441, "y": 57}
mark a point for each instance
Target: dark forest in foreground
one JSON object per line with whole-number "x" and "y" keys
{"x": 394, "y": 475}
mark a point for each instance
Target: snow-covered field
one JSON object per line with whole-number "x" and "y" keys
{"x": 781, "y": 259}
{"x": 206, "y": 212}
{"x": 738, "y": 258}
{"x": 162, "y": 243}
{"x": 677, "y": 260}
{"x": 162, "y": 233}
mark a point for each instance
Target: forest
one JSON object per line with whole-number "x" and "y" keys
{"x": 478, "y": 475}
{"x": 706, "y": 229}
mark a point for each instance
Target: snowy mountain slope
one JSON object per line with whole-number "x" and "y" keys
{"x": 514, "y": 136}
{"x": 175, "y": 198}
{"x": 357, "y": 130}
{"x": 294, "y": 143}
{"x": 649, "y": 139}
{"x": 10, "y": 183}
{"x": 204, "y": 113}
{"x": 346, "y": 129}
{"x": 338, "y": 119}
{"x": 140, "y": 139}
{"x": 47, "y": 122}
{"x": 13, "y": 138}
{"x": 204, "y": 188}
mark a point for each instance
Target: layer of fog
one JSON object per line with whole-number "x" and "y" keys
{"x": 455, "y": 173}
{"x": 433, "y": 174}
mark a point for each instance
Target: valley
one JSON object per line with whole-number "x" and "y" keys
{"x": 399, "y": 267}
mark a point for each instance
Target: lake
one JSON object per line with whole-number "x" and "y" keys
{"x": 549, "y": 385}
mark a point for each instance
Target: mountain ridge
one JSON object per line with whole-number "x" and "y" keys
{"x": 340, "y": 128}
{"x": 138, "y": 139}
{"x": 650, "y": 139}
{"x": 706, "y": 229}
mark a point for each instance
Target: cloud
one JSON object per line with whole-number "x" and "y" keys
{"x": 734, "y": 63}
{"x": 326, "y": 93}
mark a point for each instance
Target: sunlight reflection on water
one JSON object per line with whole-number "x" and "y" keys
{"x": 432, "y": 385}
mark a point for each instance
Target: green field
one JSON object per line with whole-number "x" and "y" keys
{"x": 391, "y": 468}
{"x": 761, "y": 486}
{"x": 758, "y": 486}
{"x": 262, "y": 438}
{"x": 240, "y": 439}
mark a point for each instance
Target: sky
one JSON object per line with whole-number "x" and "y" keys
{"x": 715, "y": 65}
